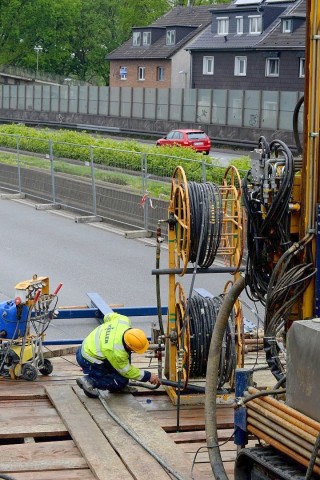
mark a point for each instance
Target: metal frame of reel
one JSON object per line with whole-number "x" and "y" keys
{"x": 230, "y": 247}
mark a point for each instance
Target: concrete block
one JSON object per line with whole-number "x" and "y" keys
{"x": 9, "y": 196}
{"x": 87, "y": 219}
{"x": 138, "y": 234}
{"x": 47, "y": 206}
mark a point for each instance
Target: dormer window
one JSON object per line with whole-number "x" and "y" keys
{"x": 287, "y": 25}
{"x": 255, "y": 24}
{"x": 136, "y": 39}
{"x": 146, "y": 39}
{"x": 223, "y": 25}
{"x": 239, "y": 25}
{"x": 171, "y": 37}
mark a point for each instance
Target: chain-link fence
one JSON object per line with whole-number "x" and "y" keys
{"x": 125, "y": 187}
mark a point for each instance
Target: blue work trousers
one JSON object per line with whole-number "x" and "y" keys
{"x": 102, "y": 375}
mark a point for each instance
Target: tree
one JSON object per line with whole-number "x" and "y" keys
{"x": 75, "y": 35}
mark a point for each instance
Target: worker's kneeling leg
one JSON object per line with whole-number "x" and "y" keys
{"x": 113, "y": 382}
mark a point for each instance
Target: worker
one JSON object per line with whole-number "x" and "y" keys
{"x": 105, "y": 357}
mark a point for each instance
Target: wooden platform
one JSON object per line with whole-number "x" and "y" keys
{"x": 50, "y": 430}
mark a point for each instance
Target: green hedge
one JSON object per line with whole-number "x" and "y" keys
{"x": 107, "y": 152}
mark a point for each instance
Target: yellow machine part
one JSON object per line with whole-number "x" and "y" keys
{"x": 310, "y": 171}
{"x": 27, "y": 352}
{"x": 27, "y": 289}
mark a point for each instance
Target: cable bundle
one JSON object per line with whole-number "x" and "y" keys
{"x": 278, "y": 270}
{"x": 268, "y": 221}
{"x": 203, "y": 313}
{"x": 205, "y": 213}
{"x": 288, "y": 281}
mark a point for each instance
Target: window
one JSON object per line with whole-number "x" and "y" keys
{"x": 255, "y": 24}
{"x": 240, "y": 66}
{"x": 141, "y": 73}
{"x": 223, "y": 25}
{"x": 301, "y": 67}
{"x": 136, "y": 39}
{"x": 123, "y": 73}
{"x": 160, "y": 74}
{"x": 287, "y": 25}
{"x": 171, "y": 37}
{"x": 239, "y": 25}
{"x": 208, "y": 65}
{"x": 272, "y": 67}
{"x": 146, "y": 38}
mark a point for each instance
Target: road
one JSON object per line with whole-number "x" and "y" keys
{"x": 85, "y": 258}
{"x": 223, "y": 155}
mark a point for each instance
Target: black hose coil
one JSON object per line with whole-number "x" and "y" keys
{"x": 203, "y": 313}
{"x": 205, "y": 204}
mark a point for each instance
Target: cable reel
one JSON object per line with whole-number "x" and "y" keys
{"x": 179, "y": 216}
{"x": 232, "y": 237}
{"x": 183, "y": 336}
{"x": 194, "y": 336}
{"x": 204, "y": 220}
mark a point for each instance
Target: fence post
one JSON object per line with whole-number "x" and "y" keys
{"x": 94, "y": 195}
{"x": 18, "y": 163}
{"x": 52, "y": 172}
{"x": 144, "y": 169}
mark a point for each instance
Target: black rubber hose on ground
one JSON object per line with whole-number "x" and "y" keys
{"x": 212, "y": 378}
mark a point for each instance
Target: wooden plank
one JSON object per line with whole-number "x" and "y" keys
{"x": 41, "y": 456}
{"x": 198, "y": 435}
{"x": 130, "y": 412}
{"x": 78, "y": 474}
{"x": 91, "y": 442}
{"x": 20, "y": 431}
{"x": 123, "y": 444}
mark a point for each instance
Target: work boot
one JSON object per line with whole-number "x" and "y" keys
{"x": 85, "y": 384}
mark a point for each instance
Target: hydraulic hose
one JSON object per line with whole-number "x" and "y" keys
{"x": 295, "y": 125}
{"x": 212, "y": 377}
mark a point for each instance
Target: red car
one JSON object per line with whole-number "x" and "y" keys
{"x": 195, "y": 139}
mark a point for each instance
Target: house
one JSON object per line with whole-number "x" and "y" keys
{"x": 156, "y": 55}
{"x": 252, "y": 45}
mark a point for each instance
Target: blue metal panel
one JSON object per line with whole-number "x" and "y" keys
{"x": 317, "y": 286}
{"x": 74, "y": 313}
{"x": 141, "y": 311}
{"x": 79, "y": 313}
{"x": 243, "y": 378}
{"x": 98, "y": 302}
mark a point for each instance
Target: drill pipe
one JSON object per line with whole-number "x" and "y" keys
{"x": 291, "y": 412}
{"x": 282, "y": 430}
{"x": 282, "y": 446}
{"x": 284, "y": 416}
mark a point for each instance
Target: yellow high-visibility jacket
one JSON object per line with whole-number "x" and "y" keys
{"x": 106, "y": 343}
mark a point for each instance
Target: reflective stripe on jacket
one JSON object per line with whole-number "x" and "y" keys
{"x": 105, "y": 342}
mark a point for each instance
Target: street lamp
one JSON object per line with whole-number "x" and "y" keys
{"x": 37, "y": 49}
{"x": 185, "y": 78}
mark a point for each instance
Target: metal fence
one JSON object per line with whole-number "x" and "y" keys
{"x": 120, "y": 186}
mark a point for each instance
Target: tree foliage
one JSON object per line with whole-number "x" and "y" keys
{"x": 75, "y": 35}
